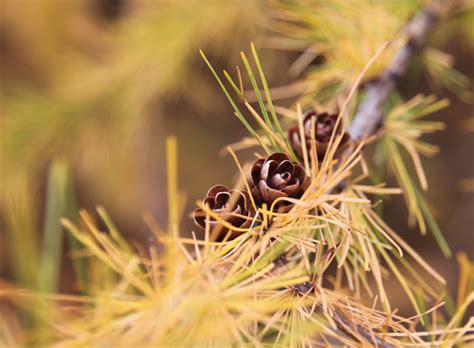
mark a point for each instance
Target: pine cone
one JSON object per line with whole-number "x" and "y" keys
{"x": 276, "y": 176}
{"x": 231, "y": 205}
{"x": 324, "y": 125}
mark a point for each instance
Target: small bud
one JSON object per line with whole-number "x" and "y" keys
{"x": 304, "y": 288}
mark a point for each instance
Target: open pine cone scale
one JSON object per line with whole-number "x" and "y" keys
{"x": 324, "y": 124}
{"x": 233, "y": 206}
{"x": 276, "y": 177}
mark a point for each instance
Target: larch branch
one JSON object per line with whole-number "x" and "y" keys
{"x": 369, "y": 115}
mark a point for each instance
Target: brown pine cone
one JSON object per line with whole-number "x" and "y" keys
{"x": 276, "y": 176}
{"x": 231, "y": 205}
{"x": 324, "y": 125}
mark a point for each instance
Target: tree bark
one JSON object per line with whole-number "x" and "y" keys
{"x": 369, "y": 115}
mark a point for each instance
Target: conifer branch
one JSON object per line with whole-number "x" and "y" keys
{"x": 369, "y": 118}
{"x": 369, "y": 115}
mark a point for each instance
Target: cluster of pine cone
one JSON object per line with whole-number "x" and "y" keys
{"x": 271, "y": 178}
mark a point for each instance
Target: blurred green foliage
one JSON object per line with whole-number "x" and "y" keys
{"x": 81, "y": 81}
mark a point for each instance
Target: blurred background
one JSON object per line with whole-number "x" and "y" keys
{"x": 89, "y": 90}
